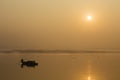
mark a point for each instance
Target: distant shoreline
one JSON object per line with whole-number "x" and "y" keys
{"x": 57, "y": 51}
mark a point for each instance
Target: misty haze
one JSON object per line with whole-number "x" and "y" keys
{"x": 59, "y": 39}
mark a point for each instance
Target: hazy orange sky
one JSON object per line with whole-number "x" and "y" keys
{"x": 60, "y": 24}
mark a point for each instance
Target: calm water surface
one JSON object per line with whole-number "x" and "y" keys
{"x": 99, "y": 66}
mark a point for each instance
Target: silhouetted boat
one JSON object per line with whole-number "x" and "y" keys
{"x": 28, "y": 63}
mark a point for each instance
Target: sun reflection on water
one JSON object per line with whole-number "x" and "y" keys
{"x": 90, "y": 73}
{"x": 89, "y": 78}
{"x": 87, "y": 74}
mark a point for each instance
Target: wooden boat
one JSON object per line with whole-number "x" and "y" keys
{"x": 28, "y": 63}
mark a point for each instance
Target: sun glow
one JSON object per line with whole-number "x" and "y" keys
{"x": 89, "y": 18}
{"x": 89, "y": 78}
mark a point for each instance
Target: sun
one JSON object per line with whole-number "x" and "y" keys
{"x": 89, "y": 18}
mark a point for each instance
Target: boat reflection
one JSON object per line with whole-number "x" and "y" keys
{"x": 28, "y": 63}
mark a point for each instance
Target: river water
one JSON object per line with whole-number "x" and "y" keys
{"x": 61, "y": 66}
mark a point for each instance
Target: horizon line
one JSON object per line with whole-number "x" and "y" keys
{"x": 58, "y": 51}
